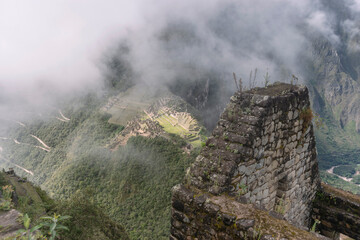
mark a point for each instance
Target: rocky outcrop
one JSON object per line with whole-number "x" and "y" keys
{"x": 262, "y": 152}
{"x": 10, "y": 224}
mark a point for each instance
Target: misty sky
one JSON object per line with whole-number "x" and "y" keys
{"x": 59, "y": 44}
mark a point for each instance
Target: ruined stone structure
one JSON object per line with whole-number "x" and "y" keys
{"x": 257, "y": 173}
{"x": 338, "y": 212}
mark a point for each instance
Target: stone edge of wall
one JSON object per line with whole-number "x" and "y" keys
{"x": 201, "y": 215}
{"x": 338, "y": 212}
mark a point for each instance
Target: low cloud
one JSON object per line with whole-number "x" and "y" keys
{"x": 54, "y": 48}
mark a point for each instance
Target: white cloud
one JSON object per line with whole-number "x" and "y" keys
{"x": 57, "y": 43}
{"x": 321, "y": 22}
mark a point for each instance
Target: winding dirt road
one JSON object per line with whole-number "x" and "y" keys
{"x": 20, "y": 167}
{"x": 331, "y": 171}
{"x": 40, "y": 141}
{"x": 26, "y": 144}
{"x": 63, "y": 120}
{"x": 62, "y": 115}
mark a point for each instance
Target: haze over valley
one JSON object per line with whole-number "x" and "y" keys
{"x": 112, "y": 101}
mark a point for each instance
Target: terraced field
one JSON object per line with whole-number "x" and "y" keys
{"x": 137, "y": 103}
{"x": 172, "y": 124}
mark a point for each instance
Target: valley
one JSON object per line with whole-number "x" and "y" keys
{"x": 128, "y": 169}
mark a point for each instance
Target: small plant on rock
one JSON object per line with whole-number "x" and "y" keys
{"x": 313, "y": 228}
{"x": 267, "y": 78}
{"x": 252, "y": 79}
{"x": 238, "y": 85}
{"x": 243, "y": 189}
{"x": 306, "y": 115}
{"x": 280, "y": 207}
{"x": 258, "y": 232}
{"x": 6, "y": 203}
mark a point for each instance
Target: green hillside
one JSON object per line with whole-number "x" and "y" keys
{"x": 131, "y": 183}
{"x": 87, "y": 220}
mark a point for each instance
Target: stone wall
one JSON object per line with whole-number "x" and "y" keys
{"x": 261, "y": 152}
{"x": 202, "y": 216}
{"x": 338, "y": 212}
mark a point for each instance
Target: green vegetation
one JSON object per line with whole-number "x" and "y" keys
{"x": 339, "y": 183}
{"x": 53, "y": 225}
{"x": 3, "y": 181}
{"x": 170, "y": 125}
{"x": 356, "y": 179}
{"x": 88, "y": 219}
{"x": 29, "y": 233}
{"x": 29, "y": 200}
{"x": 280, "y": 206}
{"x": 336, "y": 145}
{"x": 243, "y": 189}
{"x": 345, "y": 170}
{"x": 316, "y": 222}
{"x": 131, "y": 184}
{"x": 306, "y": 115}
{"x": 5, "y": 202}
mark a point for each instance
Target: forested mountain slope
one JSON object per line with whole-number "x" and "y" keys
{"x": 332, "y": 73}
{"x": 126, "y": 170}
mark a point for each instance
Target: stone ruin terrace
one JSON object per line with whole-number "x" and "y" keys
{"x": 257, "y": 177}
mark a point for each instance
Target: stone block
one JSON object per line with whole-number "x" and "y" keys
{"x": 272, "y": 138}
{"x": 299, "y": 135}
{"x": 211, "y": 208}
{"x": 290, "y": 115}
{"x": 296, "y": 114}
{"x": 264, "y": 140}
{"x": 182, "y": 193}
{"x": 245, "y": 224}
{"x": 266, "y": 193}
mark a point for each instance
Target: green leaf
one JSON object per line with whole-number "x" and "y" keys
{"x": 26, "y": 220}
{"x": 53, "y": 235}
{"x": 20, "y": 231}
{"x": 52, "y": 227}
{"x": 64, "y": 217}
{"x": 46, "y": 224}
{"x": 62, "y": 227}
{"x": 36, "y": 228}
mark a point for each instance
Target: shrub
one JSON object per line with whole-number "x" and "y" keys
{"x": 6, "y": 203}
{"x": 306, "y": 115}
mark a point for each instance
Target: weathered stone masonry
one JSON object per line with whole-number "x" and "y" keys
{"x": 338, "y": 212}
{"x": 261, "y": 152}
